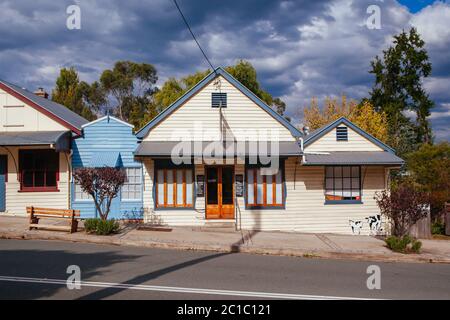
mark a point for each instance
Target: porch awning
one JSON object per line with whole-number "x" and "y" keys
{"x": 353, "y": 158}
{"x": 215, "y": 148}
{"x": 59, "y": 139}
{"x": 105, "y": 159}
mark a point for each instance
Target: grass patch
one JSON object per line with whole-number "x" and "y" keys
{"x": 101, "y": 227}
{"x": 405, "y": 244}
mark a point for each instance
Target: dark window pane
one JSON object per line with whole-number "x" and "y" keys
{"x": 227, "y": 185}
{"x": 39, "y": 179}
{"x": 27, "y": 178}
{"x": 51, "y": 179}
{"x": 211, "y": 175}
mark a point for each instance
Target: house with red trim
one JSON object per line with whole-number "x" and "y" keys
{"x": 35, "y": 150}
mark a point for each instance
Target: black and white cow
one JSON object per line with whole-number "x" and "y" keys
{"x": 356, "y": 226}
{"x": 374, "y": 223}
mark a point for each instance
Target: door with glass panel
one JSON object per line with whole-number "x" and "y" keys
{"x": 220, "y": 192}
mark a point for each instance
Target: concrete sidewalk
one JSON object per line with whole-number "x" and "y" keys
{"x": 276, "y": 243}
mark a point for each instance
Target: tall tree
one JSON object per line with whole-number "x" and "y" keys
{"x": 398, "y": 89}
{"x": 362, "y": 114}
{"x": 70, "y": 92}
{"x": 131, "y": 85}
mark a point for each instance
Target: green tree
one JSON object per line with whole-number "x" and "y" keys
{"x": 131, "y": 85}
{"x": 70, "y": 92}
{"x": 398, "y": 89}
{"x": 429, "y": 168}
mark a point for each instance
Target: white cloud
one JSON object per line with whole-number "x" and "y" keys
{"x": 433, "y": 23}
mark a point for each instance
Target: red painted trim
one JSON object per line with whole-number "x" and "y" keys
{"x": 40, "y": 189}
{"x": 39, "y": 108}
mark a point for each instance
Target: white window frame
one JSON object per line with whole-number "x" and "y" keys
{"x": 85, "y": 197}
{"x": 137, "y": 182}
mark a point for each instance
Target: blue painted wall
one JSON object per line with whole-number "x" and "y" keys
{"x": 111, "y": 135}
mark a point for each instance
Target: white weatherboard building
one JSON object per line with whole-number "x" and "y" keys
{"x": 35, "y": 151}
{"x": 220, "y": 154}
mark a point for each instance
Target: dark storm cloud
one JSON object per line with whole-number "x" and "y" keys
{"x": 301, "y": 49}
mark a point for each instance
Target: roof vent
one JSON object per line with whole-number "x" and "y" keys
{"x": 218, "y": 100}
{"x": 40, "y": 92}
{"x": 341, "y": 134}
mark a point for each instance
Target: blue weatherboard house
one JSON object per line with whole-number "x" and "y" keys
{"x": 109, "y": 142}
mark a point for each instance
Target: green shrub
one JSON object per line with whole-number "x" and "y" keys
{"x": 405, "y": 244}
{"x": 438, "y": 228}
{"x": 106, "y": 227}
{"x": 90, "y": 225}
{"x": 101, "y": 227}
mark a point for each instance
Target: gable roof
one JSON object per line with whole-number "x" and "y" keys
{"x": 200, "y": 85}
{"x": 109, "y": 118}
{"x": 55, "y": 111}
{"x": 342, "y": 120}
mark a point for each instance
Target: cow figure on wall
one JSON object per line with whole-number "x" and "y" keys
{"x": 356, "y": 226}
{"x": 374, "y": 224}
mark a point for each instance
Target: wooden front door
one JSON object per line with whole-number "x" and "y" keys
{"x": 220, "y": 192}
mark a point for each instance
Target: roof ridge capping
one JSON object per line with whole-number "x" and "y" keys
{"x": 106, "y": 117}
{"x": 327, "y": 128}
{"x": 202, "y": 83}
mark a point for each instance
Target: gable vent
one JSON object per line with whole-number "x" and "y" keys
{"x": 217, "y": 98}
{"x": 341, "y": 134}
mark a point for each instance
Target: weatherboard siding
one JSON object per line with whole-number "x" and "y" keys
{"x": 305, "y": 209}
{"x": 16, "y": 201}
{"x": 106, "y": 136}
{"x": 15, "y": 115}
{"x": 356, "y": 142}
{"x": 244, "y": 119}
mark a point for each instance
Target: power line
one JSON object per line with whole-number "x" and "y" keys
{"x": 193, "y": 35}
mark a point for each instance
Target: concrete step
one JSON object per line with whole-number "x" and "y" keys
{"x": 218, "y": 226}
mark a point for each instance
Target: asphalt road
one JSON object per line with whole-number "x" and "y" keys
{"x": 37, "y": 270}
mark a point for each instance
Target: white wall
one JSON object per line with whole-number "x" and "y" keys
{"x": 15, "y": 115}
{"x": 241, "y": 117}
{"x": 356, "y": 142}
{"x": 305, "y": 209}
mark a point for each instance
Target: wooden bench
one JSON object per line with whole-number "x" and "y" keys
{"x": 72, "y": 216}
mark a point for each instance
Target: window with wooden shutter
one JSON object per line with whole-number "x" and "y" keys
{"x": 174, "y": 188}
{"x": 264, "y": 190}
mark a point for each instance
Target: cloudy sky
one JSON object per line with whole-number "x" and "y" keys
{"x": 301, "y": 49}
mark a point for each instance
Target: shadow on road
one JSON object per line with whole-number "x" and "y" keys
{"x": 50, "y": 264}
{"x": 107, "y": 292}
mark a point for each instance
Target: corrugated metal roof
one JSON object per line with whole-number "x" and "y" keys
{"x": 164, "y": 148}
{"x": 353, "y": 157}
{"x": 61, "y": 139}
{"x": 54, "y": 108}
{"x": 105, "y": 159}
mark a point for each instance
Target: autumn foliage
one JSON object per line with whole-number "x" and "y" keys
{"x": 363, "y": 115}
{"x": 404, "y": 205}
{"x": 102, "y": 184}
